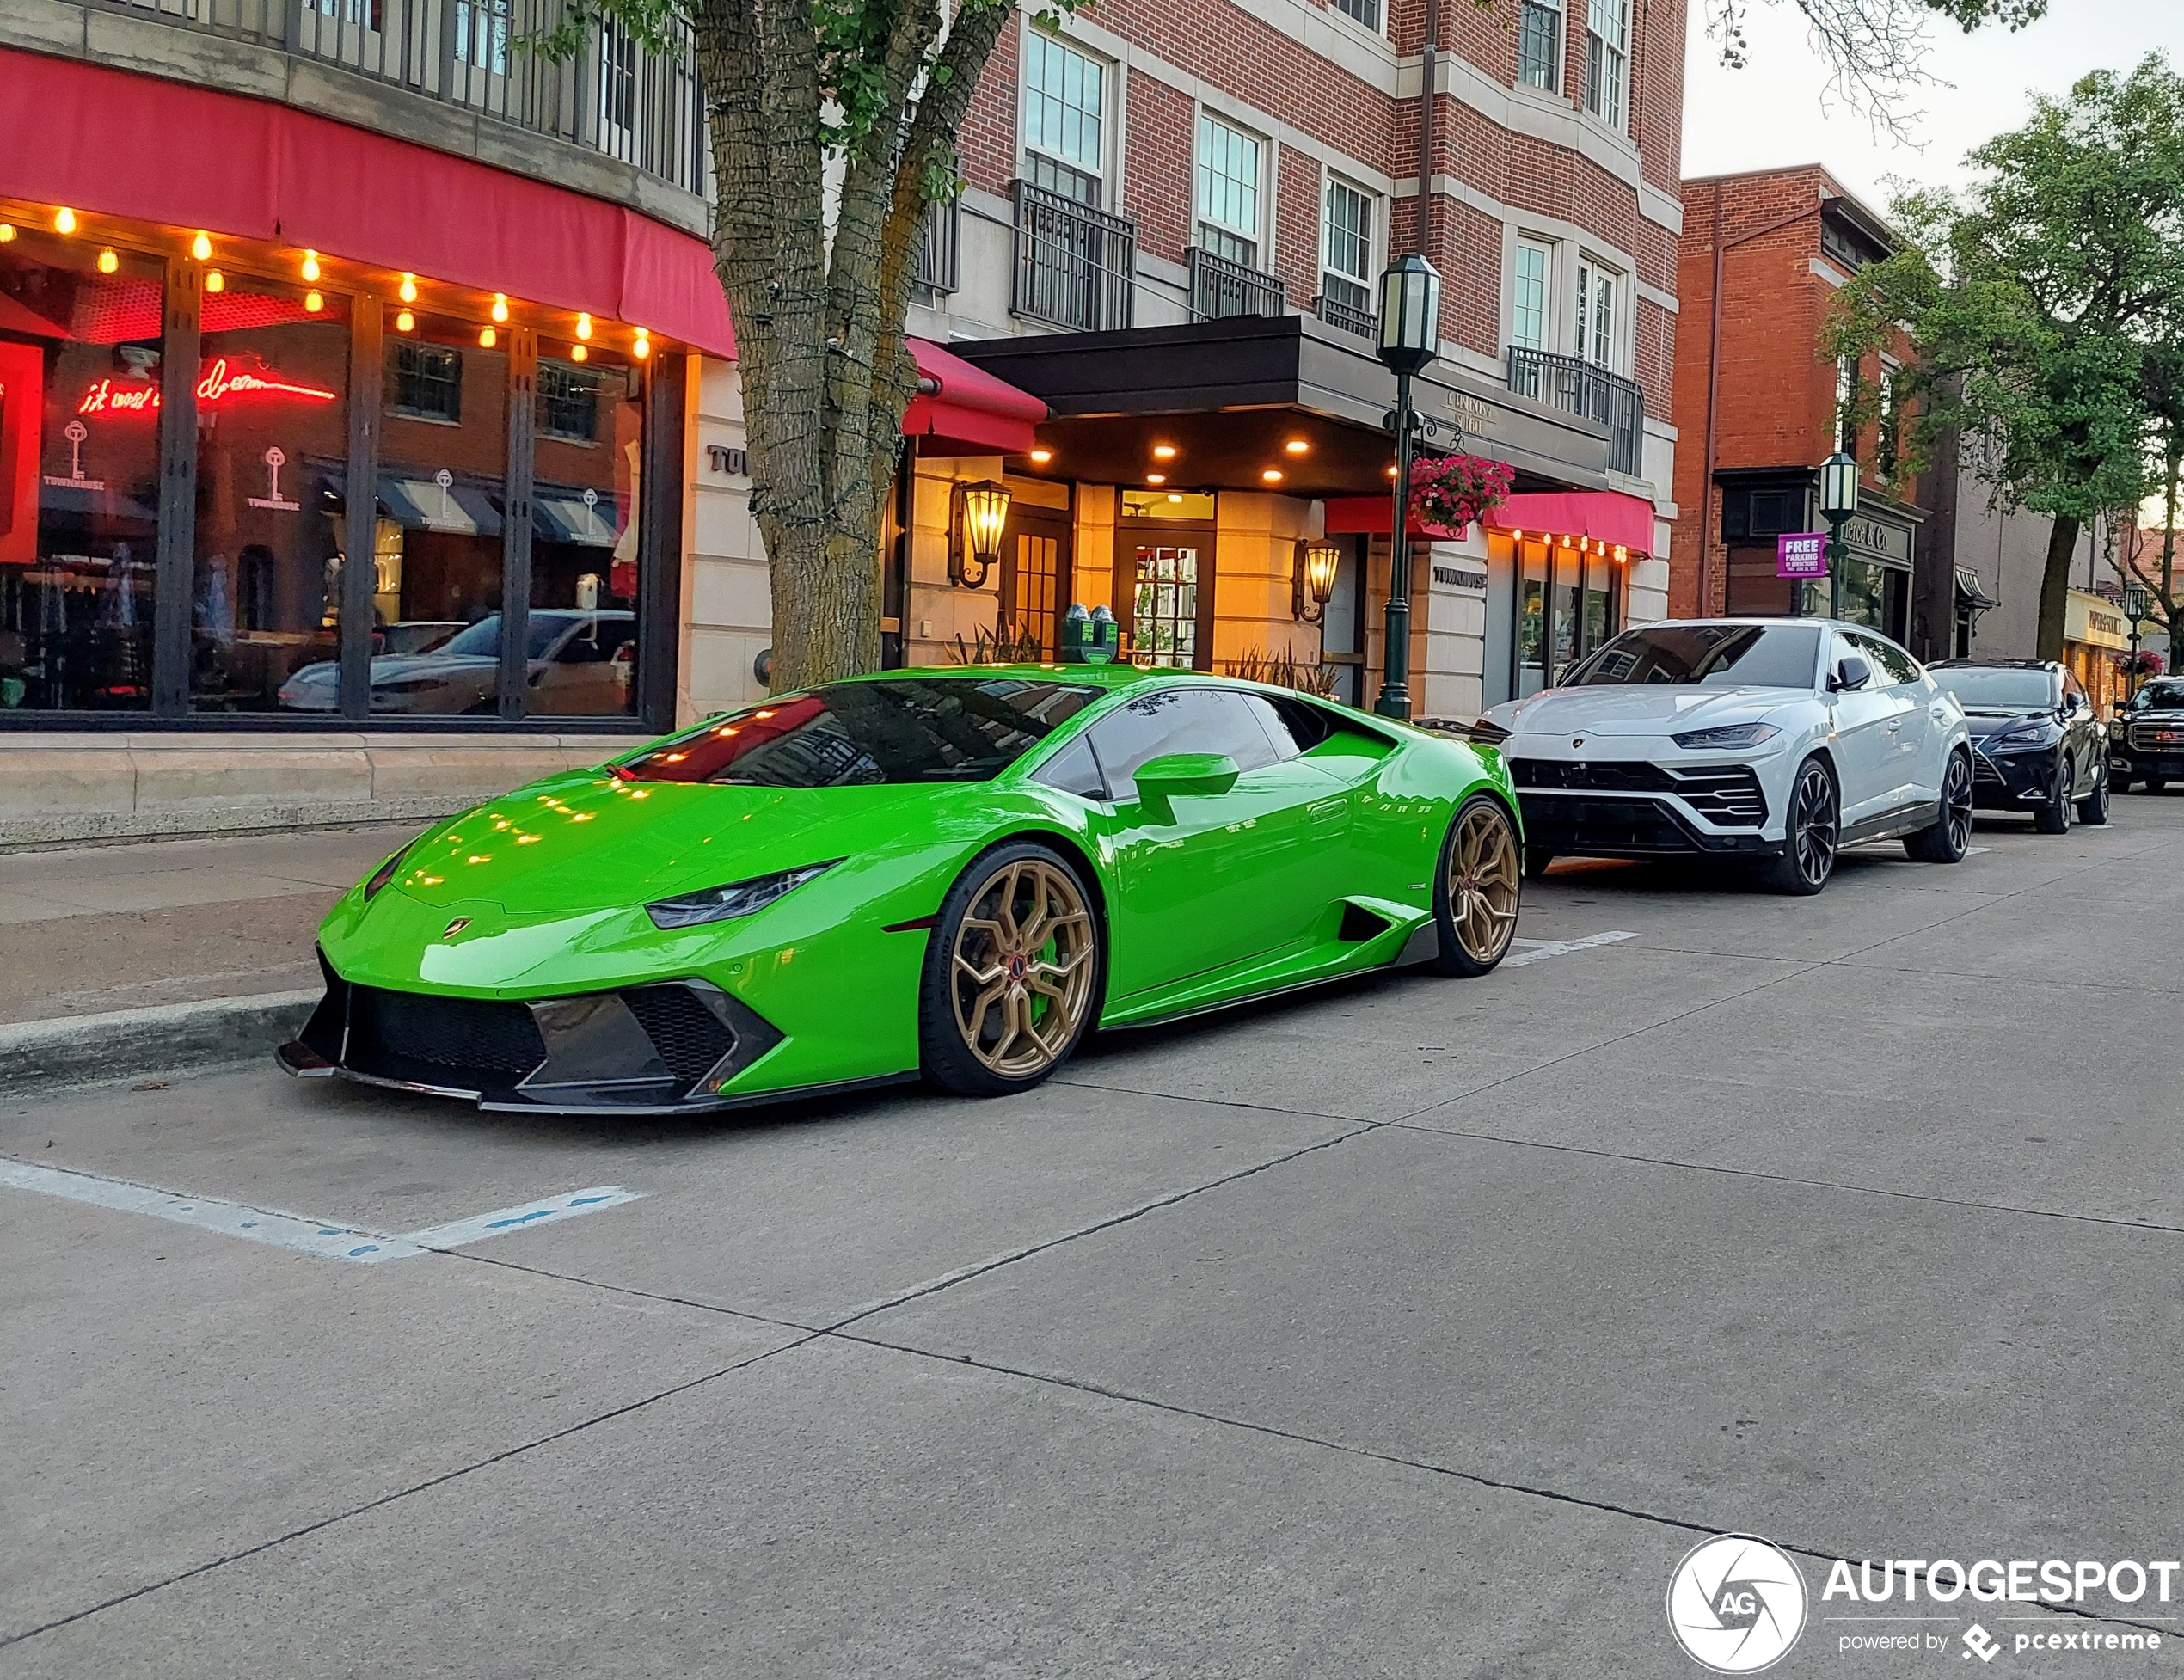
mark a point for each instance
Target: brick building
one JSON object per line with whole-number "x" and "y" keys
{"x": 1762, "y": 257}
{"x": 1175, "y": 217}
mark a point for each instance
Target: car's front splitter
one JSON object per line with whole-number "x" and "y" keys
{"x": 666, "y": 1047}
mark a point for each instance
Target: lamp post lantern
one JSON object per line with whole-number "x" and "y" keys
{"x": 1838, "y": 501}
{"x": 1410, "y": 337}
{"x": 2138, "y": 607}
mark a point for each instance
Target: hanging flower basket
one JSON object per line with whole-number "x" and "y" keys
{"x": 1451, "y": 492}
{"x": 2148, "y": 662}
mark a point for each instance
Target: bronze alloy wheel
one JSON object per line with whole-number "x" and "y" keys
{"x": 1020, "y": 974}
{"x": 1483, "y": 873}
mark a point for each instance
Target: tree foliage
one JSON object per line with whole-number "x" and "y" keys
{"x": 2035, "y": 301}
{"x": 833, "y": 130}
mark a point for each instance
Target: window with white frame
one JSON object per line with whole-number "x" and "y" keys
{"x": 1888, "y": 439}
{"x": 1367, "y": 12}
{"x": 1539, "y": 43}
{"x": 1596, "y": 314}
{"x": 1228, "y": 191}
{"x": 1528, "y": 286}
{"x": 1846, "y": 392}
{"x": 1607, "y": 56}
{"x": 1064, "y": 116}
{"x": 1346, "y": 262}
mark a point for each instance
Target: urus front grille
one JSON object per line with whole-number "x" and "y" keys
{"x": 1727, "y": 795}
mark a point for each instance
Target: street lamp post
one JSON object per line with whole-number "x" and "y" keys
{"x": 2137, "y": 603}
{"x": 1410, "y": 337}
{"x": 1838, "y": 501}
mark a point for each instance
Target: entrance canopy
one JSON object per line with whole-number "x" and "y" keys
{"x": 1599, "y": 516}
{"x": 967, "y": 411}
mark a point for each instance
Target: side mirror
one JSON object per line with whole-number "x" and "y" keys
{"x": 1176, "y": 776}
{"x": 1851, "y": 673}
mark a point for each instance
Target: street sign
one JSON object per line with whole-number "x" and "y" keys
{"x": 1801, "y": 555}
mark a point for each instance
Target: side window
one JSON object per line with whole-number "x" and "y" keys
{"x": 1177, "y": 720}
{"x": 1295, "y": 727}
{"x": 1892, "y": 667}
{"x": 2073, "y": 696}
{"x": 1074, "y": 770}
{"x": 1840, "y": 647}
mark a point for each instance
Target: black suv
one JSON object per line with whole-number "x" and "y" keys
{"x": 2146, "y": 739}
{"x": 2036, "y": 745}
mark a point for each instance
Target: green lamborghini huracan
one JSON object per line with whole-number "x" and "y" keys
{"x": 953, "y": 871}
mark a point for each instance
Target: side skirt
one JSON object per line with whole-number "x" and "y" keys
{"x": 1317, "y": 965}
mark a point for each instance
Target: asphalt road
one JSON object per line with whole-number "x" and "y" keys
{"x": 1419, "y": 1327}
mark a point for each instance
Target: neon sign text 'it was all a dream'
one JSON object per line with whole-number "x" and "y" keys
{"x": 221, "y": 383}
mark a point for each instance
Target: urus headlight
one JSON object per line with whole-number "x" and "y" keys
{"x": 1728, "y": 735}
{"x": 723, "y": 903}
{"x": 383, "y": 874}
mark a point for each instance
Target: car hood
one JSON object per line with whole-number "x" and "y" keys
{"x": 1993, "y": 721}
{"x": 1638, "y": 710}
{"x": 590, "y": 840}
{"x": 397, "y": 668}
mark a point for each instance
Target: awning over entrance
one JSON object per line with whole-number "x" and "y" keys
{"x": 1375, "y": 516}
{"x": 165, "y": 151}
{"x": 1603, "y": 516}
{"x": 967, "y": 411}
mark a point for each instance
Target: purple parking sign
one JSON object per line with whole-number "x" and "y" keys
{"x": 1801, "y": 555}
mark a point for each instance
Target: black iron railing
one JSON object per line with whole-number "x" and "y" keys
{"x": 1349, "y": 318}
{"x": 1220, "y": 287}
{"x": 939, "y": 250}
{"x": 1075, "y": 264}
{"x": 1579, "y": 388}
{"x": 612, "y": 97}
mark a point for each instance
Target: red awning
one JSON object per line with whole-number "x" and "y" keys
{"x": 1375, "y": 516}
{"x": 1606, "y": 516}
{"x": 968, "y": 411}
{"x": 120, "y": 144}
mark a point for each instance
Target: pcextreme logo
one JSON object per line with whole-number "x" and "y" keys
{"x": 1736, "y": 1604}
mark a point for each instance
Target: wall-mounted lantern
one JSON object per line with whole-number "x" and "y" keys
{"x": 977, "y": 514}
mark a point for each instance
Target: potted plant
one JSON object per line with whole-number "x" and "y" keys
{"x": 1449, "y": 492}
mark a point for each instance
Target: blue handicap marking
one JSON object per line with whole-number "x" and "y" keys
{"x": 522, "y": 1218}
{"x": 368, "y": 1248}
{"x": 587, "y": 1201}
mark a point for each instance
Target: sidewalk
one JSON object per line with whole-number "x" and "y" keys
{"x": 95, "y": 929}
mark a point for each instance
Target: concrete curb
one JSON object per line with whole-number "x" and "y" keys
{"x": 37, "y": 1056}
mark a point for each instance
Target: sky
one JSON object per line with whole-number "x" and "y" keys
{"x": 1779, "y": 109}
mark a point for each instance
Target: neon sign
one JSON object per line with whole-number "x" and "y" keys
{"x": 221, "y": 383}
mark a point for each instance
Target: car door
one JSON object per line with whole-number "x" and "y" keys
{"x": 1908, "y": 733}
{"x": 1214, "y": 880}
{"x": 1862, "y": 746}
{"x": 2083, "y": 735}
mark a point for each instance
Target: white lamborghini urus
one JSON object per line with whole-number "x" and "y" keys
{"x": 1771, "y": 741}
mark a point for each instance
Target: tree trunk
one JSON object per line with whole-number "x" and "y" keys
{"x": 2172, "y": 470}
{"x": 2055, "y": 585}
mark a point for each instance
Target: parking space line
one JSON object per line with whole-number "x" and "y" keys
{"x": 295, "y": 1232}
{"x": 1538, "y": 950}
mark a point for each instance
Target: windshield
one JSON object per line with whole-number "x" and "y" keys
{"x": 2167, "y": 696}
{"x": 849, "y": 734}
{"x": 1717, "y": 656}
{"x": 1975, "y": 686}
{"x": 482, "y": 639}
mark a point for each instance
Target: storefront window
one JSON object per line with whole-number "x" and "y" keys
{"x": 436, "y": 550}
{"x": 80, "y": 334}
{"x": 273, "y": 430}
{"x": 1531, "y": 621}
{"x": 1561, "y": 595}
{"x": 1599, "y": 601}
{"x": 586, "y": 467}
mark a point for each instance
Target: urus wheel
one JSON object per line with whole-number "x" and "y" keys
{"x": 1811, "y": 833}
{"x": 1012, "y": 973}
{"x": 1475, "y": 899}
{"x": 1950, "y": 837}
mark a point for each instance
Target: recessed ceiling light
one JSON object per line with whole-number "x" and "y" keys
{"x": 1391, "y": 472}
{"x": 1272, "y": 475}
{"x": 1163, "y": 451}
{"x": 1042, "y": 456}
{"x": 1296, "y": 446}
{"x": 1156, "y": 478}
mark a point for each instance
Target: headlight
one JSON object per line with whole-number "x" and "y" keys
{"x": 1487, "y": 732}
{"x": 384, "y": 873}
{"x": 2035, "y": 735}
{"x": 1728, "y": 735}
{"x": 722, "y": 904}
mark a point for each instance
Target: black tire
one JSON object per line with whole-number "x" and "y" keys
{"x": 2093, "y": 809}
{"x": 2054, "y": 817}
{"x": 1810, "y": 831}
{"x": 1477, "y": 888}
{"x": 1537, "y": 862}
{"x": 1018, "y": 879}
{"x": 1950, "y": 836}
{"x": 2118, "y": 782}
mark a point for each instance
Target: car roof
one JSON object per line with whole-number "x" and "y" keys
{"x": 1992, "y": 665}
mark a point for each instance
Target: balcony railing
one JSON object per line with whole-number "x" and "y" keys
{"x": 1336, "y": 313}
{"x": 1220, "y": 287}
{"x": 1579, "y": 388}
{"x": 1075, "y": 264}
{"x": 939, "y": 250}
{"x": 612, "y": 97}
